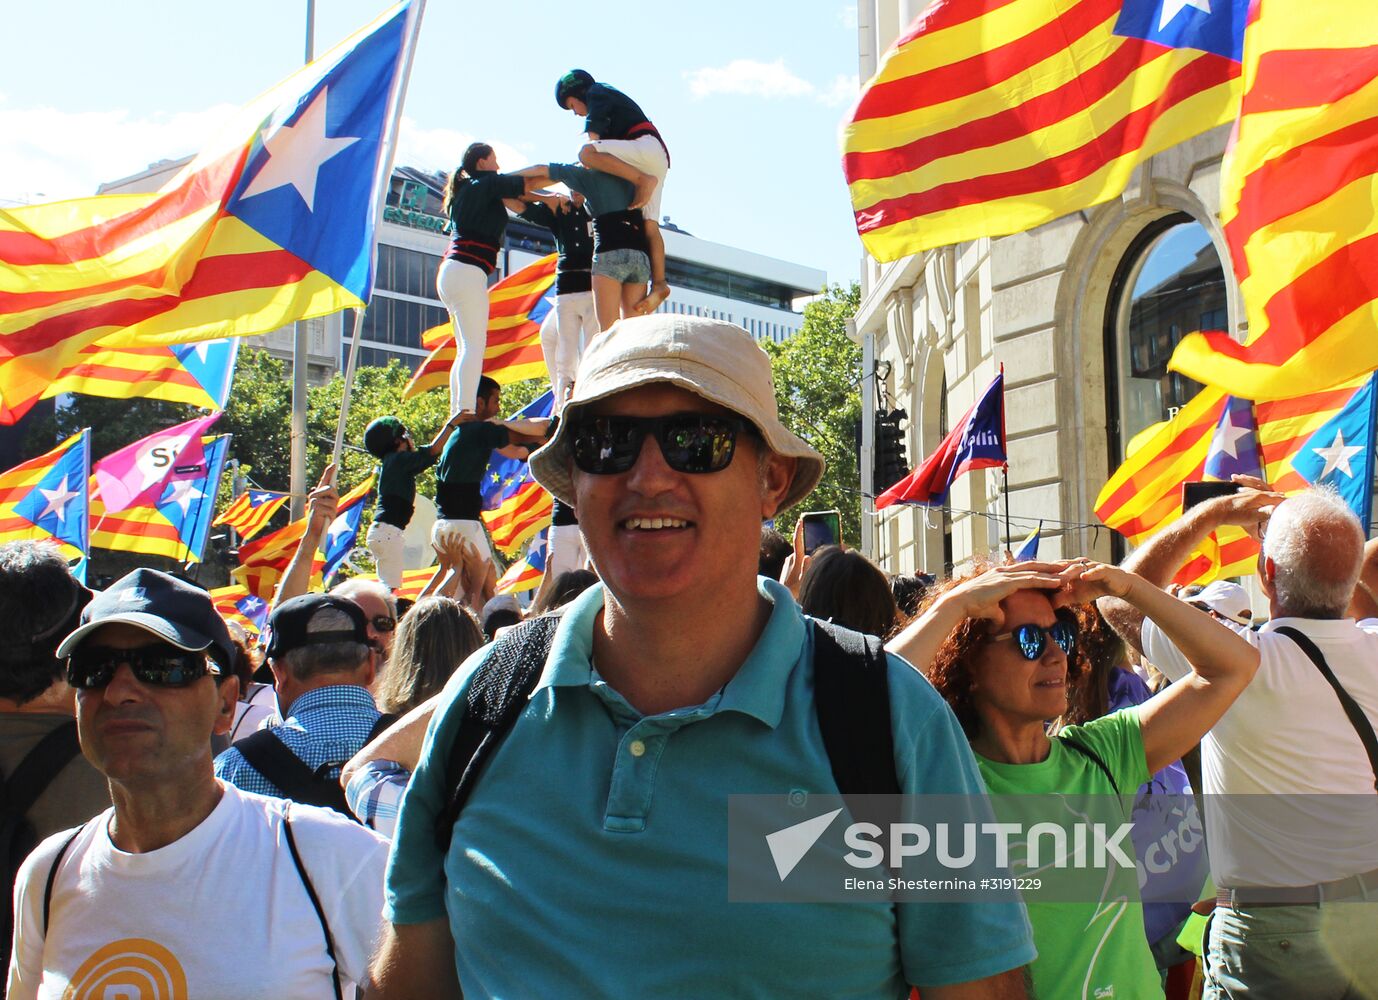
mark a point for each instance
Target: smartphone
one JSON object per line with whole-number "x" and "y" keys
{"x": 821, "y": 527}
{"x": 1195, "y": 493}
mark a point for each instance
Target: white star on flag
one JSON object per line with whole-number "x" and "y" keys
{"x": 58, "y": 500}
{"x": 182, "y": 493}
{"x": 1229, "y": 436}
{"x": 296, "y": 153}
{"x": 1337, "y": 456}
{"x": 251, "y": 604}
{"x": 1171, "y": 8}
{"x": 338, "y": 527}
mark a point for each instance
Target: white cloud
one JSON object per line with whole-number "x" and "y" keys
{"x": 50, "y": 154}
{"x": 749, "y": 77}
{"x": 843, "y": 90}
{"x": 439, "y": 149}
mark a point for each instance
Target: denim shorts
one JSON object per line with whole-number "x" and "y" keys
{"x": 631, "y": 267}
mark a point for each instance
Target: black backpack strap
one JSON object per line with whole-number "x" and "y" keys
{"x": 315, "y": 900}
{"x": 381, "y": 726}
{"x": 1092, "y": 756}
{"x": 852, "y": 698}
{"x": 52, "y": 876}
{"x": 496, "y": 695}
{"x": 39, "y": 767}
{"x": 1357, "y": 718}
{"x": 270, "y": 757}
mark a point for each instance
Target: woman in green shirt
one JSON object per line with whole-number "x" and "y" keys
{"x": 1002, "y": 648}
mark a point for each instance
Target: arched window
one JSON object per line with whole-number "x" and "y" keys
{"x": 1170, "y": 283}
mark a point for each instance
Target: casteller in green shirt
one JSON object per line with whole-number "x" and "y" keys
{"x": 1093, "y": 950}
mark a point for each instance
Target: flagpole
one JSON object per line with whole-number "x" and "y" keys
{"x": 301, "y": 347}
{"x": 417, "y": 12}
{"x": 1005, "y": 469}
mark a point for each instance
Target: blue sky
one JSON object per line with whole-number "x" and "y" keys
{"x": 749, "y": 96}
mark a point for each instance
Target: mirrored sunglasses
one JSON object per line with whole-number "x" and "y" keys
{"x": 690, "y": 442}
{"x": 159, "y": 666}
{"x": 383, "y": 623}
{"x": 1031, "y": 640}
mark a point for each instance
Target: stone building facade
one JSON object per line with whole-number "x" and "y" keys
{"x": 1083, "y": 313}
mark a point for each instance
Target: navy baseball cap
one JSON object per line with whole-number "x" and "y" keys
{"x": 315, "y": 618}
{"x": 171, "y": 609}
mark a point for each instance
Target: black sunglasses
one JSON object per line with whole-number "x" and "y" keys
{"x": 690, "y": 442}
{"x": 383, "y": 623}
{"x": 159, "y": 666}
{"x": 1033, "y": 639}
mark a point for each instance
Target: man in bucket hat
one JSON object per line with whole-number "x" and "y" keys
{"x": 591, "y": 857}
{"x": 141, "y": 894}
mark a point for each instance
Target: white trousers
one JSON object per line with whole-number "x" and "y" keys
{"x": 564, "y": 333}
{"x": 464, "y": 290}
{"x": 564, "y": 550}
{"x": 386, "y": 543}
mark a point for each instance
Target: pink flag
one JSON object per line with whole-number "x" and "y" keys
{"x": 126, "y": 475}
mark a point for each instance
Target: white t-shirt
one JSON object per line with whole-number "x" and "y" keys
{"x": 221, "y": 912}
{"x": 1290, "y": 789}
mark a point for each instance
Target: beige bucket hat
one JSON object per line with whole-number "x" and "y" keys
{"x": 717, "y": 361}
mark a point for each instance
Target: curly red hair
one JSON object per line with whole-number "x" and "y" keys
{"x": 950, "y": 671}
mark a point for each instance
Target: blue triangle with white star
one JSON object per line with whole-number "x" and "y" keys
{"x": 1340, "y": 452}
{"x": 59, "y": 503}
{"x": 211, "y": 363}
{"x": 1234, "y": 444}
{"x": 1208, "y": 25}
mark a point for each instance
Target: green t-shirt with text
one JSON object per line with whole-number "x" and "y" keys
{"x": 1097, "y": 949}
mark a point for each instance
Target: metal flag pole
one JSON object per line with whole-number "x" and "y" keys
{"x": 1005, "y": 469}
{"x": 301, "y": 348}
{"x": 416, "y": 12}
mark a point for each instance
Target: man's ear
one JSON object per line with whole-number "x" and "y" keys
{"x": 228, "y": 693}
{"x": 777, "y": 473}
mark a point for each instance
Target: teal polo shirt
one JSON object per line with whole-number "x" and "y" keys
{"x": 591, "y": 858}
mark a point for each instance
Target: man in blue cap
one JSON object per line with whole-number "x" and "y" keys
{"x": 144, "y": 888}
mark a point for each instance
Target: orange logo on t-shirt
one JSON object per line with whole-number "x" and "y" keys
{"x": 130, "y": 969}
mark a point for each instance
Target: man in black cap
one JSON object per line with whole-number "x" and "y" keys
{"x": 141, "y": 893}
{"x": 323, "y": 664}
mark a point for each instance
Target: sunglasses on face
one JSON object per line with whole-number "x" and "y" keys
{"x": 690, "y": 442}
{"x": 1032, "y": 639}
{"x": 159, "y": 666}
{"x": 383, "y": 623}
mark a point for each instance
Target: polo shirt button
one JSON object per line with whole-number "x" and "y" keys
{"x": 637, "y": 748}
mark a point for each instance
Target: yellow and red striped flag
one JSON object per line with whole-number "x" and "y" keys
{"x": 238, "y": 606}
{"x": 516, "y": 306}
{"x": 270, "y": 223}
{"x": 263, "y": 561}
{"x": 48, "y": 497}
{"x": 528, "y": 571}
{"x": 1297, "y": 204}
{"x": 990, "y": 117}
{"x": 1145, "y": 493}
{"x": 251, "y": 511}
{"x": 413, "y": 581}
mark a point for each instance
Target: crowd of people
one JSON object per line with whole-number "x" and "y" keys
{"x": 462, "y": 797}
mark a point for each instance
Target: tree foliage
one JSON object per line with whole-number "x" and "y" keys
{"x": 817, "y": 387}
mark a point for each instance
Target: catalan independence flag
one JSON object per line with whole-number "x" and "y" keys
{"x": 528, "y": 571}
{"x": 990, "y": 117}
{"x": 1145, "y": 493}
{"x": 196, "y": 374}
{"x": 263, "y": 561}
{"x": 413, "y": 581}
{"x": 251, "y": 511}
{"x": 516, "y": 306}
{"x": 237, "y": 605}
{"x": 175, "y": 524}
{"x": 271, "y": 223}
{"x": 515, "y": 506}
{"x": 1297, "y": 204}
{"x": 48, "y": 497}
{"x": 344, "y": 530}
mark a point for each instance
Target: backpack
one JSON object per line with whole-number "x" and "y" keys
{"x": 270, "y": 757}
{"x": 18, "y": 793}
{"x": 851, "y": 696}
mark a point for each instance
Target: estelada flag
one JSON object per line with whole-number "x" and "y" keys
{"x": 251, "y": 511}
{"x": 272, "y": 222}
{"x": 976, "y": 442}
{"x": 517, "y": 305}
{"x": 48, "y": 498}
{"x": 990, "y": 117}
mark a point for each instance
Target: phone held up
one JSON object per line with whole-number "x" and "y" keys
{"x": 821, "y": 527}
{"x": 1195, "y": 493}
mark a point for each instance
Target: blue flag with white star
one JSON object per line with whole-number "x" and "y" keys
{"x": 1208, "y": 25}
{"x": 188, "y": 498}
{"x": 1234, "y": 445}
{"x": 1340, "y": 452}
{"x": 49, "y": 497}
{"x": 342, "y": 534}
